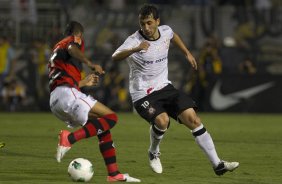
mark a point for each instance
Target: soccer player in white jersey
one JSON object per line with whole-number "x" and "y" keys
{"x": 154, "y": 97}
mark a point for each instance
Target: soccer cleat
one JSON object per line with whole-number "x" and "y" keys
{"x": 64, "y": 145}
{"x": 224, "y": 166}
{"x": 122, "y": 178}
{"x": 155, "y": 162}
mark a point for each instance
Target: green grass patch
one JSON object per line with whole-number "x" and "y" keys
{"x": 252, "y": 139}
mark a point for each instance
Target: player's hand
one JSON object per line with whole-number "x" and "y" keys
{"x": 89, "y": 80}
{"x": 192, "y": 61}
{"x": 143, "y": 46}
{"x": 96, "y": 68}
{"x": 94, "y": 79}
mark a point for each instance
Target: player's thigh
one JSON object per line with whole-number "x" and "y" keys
{"x": 99, "y": 110}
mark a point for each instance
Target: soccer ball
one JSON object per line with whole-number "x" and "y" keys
{"x": 80, "y": 170}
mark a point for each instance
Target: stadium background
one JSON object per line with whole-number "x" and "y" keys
{"x": 238, "y": 45}
{"x": 28, "y": 140}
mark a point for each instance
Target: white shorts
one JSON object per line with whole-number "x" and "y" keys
{"x": 70, "y": 105}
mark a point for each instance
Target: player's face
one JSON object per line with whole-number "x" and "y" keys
{"x": 149, "y": 26}
{"x": 78, "y": 38}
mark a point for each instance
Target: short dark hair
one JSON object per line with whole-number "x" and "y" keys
{"x": 72, "y": 28}
{"x": 148, "y": 9}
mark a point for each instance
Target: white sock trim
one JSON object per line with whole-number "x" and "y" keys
{"x": 159, "y": 129}
{"x": 198, "y": 128}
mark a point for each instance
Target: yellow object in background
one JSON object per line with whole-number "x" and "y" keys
{"x": 2, "y": 144}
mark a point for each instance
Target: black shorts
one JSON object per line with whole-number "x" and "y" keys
{"x": 168, "y": 99}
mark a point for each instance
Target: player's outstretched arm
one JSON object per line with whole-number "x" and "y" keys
{"x": 75, "y": 52}
{"x": 177, "y": 40}
{"x": 123, "y": 54}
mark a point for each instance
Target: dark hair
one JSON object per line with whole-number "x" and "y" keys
{"x": 148, "y": 9}
{"x": 72, "y": 28}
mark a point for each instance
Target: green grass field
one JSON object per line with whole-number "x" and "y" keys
{"x": 253, "y": 140}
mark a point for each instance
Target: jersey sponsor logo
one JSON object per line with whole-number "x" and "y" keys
{"x": 221, "y": 101}
{"x": 156, "y": 61}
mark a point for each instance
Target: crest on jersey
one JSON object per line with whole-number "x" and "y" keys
{"x": 167, "y": 42}
{"x": 151, "y": 110}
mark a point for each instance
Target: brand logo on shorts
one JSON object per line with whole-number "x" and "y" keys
{"x": 54, "y": 103}
{"x": 151, "y": 110}
{"x": 75, "y": 108}
{"x": 99, "y": 131}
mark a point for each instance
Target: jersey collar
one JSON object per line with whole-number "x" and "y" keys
{"x": 141, "y": 33}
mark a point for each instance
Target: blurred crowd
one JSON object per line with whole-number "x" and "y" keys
{"x": 24, "y": 54}
{"x": 26, "y": 87}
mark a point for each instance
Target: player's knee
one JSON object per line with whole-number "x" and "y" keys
{"x": 161, "y": 126}
{"x": 194, "y": 121}
{"x": 112, "y": 118}
{"x": 197, "y": 121}
{"x": 191, "y": 118}
{"x": 162, "y": 121}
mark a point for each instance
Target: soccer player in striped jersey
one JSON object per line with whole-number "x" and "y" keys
{"x": 75, "y": 108}
{"x": 154, "y": 97}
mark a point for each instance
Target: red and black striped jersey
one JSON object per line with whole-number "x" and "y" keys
{"x": 63, "y": 68}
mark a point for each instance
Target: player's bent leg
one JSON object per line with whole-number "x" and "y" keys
{"x": 202, "y": 137}
{"x": 64, "y": 145}
{"x": 225, "y": 166}
{"x": 94, "y": 127}
{"x": 204, "y": 140}
{"x": 156, "y": 136}
{"x": 157, "y": 131}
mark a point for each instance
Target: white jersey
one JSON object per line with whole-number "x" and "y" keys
{"x": 148, "y": 69}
